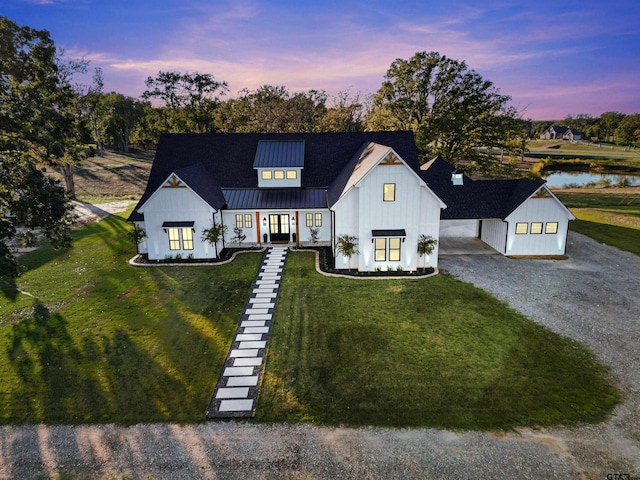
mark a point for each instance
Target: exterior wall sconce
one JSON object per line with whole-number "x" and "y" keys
{"x": 264, "y": 222}
{"x": 293, "y": 221}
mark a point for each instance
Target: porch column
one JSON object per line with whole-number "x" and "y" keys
{"x": 258, "y": 227}
{"x": 297, "y": 231}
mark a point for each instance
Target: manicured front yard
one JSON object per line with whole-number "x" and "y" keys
{"x": 434, "y": 352}
{"x": 98, "y": 341}
{"x": 101, "y": 341}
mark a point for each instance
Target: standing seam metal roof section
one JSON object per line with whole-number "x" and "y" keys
{"x": 279, "y": 154}
{"x": 276, "y": 198}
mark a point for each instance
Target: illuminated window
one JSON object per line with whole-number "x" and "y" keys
{"x": 551, "y": 227}
{"x": 522, "y": 228}
{"x": 318, "y": 219}
{"x": 389, "y": 192}
{"x": 247, "y": 220}
{"x": 239, "y": 220}
{"x": 266, "y": 174}
{"x": 309, "y": 219}
{"x": 380, "y": 249}
{"x": 187, "y": 239}
{"x": 292, "y": 174}
{"x": 394, "y": 249}
{"x": 278, "y": 174}
{"x": 174, "y": 239}
{"x": 536, "y": 228}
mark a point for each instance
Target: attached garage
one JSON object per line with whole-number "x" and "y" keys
{"x": 515, "y": 217}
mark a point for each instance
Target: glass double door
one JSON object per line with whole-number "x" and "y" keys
{"x": 279, "y": 228}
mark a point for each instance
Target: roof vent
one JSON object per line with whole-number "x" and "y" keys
{"x": 457, "y": 178}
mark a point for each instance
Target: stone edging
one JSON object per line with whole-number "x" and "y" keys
{"x": 132, "y": 261}
{"x": 318, "y": 269}
{"x": 364, "y": 277}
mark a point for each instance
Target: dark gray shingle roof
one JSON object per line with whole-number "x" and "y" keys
{"x": 229, "y": 157}
{"x": 476, "y": 199}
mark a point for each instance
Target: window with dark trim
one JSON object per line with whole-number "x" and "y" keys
{"x": 247, "y": 220}
{"x": 522, "y": 228}
{"x": 266, "y": 175}
{"x": 551, "y": 228}
{"x": 187, "y": 239}
{"x": 309, "y": 219}
{"x": 292, "y": 174}
{"x": 182, "y": 235}
{"x": 239, "y": 220}
{"x": 318, "y": 219}
{"x": 380, "y": 249}
{"x": 174, "y": 238}
{"x": 389, "y": 192}
{"x": 536, "y": 228}
{"x": 394, "y": 249}
{"x": 278, "y": 174}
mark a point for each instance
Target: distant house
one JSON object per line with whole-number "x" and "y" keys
{"x": 555, "y": 132}
{"x": 277, "y": 188}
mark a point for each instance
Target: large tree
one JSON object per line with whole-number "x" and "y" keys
{"x": 450, "y": 108}
{"x": 189, "y": 99}
{"x": 122, "y": 114}
{"x": 35, "y": 129}
{"x": 273, "y": 109}
{"x": 628, "y": 131}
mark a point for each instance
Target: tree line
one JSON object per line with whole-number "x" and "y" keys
{"x": 612, "y": 127}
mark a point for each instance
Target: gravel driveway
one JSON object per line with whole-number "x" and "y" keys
{"x": 592, "y": 297}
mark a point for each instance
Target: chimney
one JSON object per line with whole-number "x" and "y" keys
{"x": 457, "y": 178}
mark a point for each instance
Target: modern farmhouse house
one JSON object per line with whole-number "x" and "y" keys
{"x": 314, "y": 187}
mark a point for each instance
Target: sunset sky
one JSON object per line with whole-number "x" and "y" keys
{"x": 552, "y": 58}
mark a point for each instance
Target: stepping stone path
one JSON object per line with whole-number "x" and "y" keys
{"x": 237, "y": 389}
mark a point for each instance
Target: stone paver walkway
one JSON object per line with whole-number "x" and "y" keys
{"x": 237, "y": 389}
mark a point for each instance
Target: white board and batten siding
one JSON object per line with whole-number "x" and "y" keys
{"x": 542, "y": 207}
{"x": 176, "y": 202}
{"x": 416, "y": 210}
{"x": 460, "y": 228}
{"x": 250, "y": 232}
{"x": 536, "y": 216}
{"x": 494, "y": 233}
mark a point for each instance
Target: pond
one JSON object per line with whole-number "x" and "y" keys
{"x": 566, "y": 179}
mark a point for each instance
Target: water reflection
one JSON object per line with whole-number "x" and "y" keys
{"x": 582, "y": 179}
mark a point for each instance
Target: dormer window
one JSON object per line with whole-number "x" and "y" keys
{"x": 279, "y": 164}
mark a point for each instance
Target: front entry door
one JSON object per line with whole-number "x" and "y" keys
{"x": 279, "y": 228}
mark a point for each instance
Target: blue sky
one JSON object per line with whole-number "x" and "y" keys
{"x": 552, "y": 58}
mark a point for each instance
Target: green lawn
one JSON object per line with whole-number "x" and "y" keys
{"x": 432, "y": 352}
{"x": 611, "y": 218}
{"x": 101, "y": 341}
